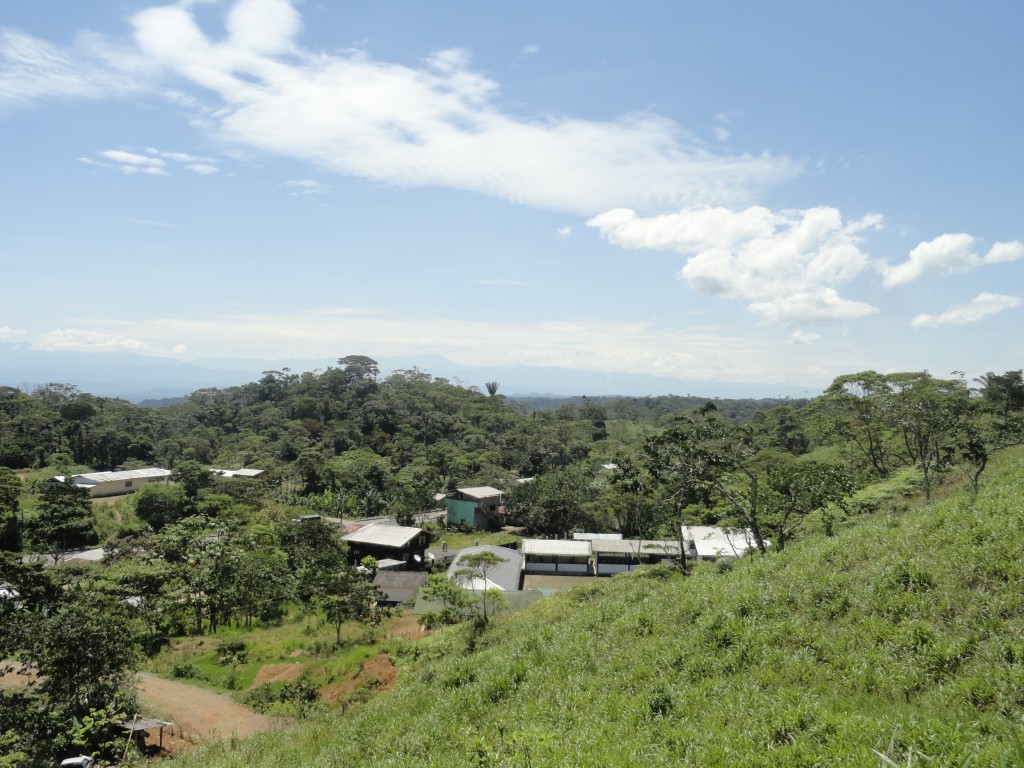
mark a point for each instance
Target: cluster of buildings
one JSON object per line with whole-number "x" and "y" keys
{"x": 404, "y": 554}
{"x": 531, "y": 567}
{"x": 127, "y": 481}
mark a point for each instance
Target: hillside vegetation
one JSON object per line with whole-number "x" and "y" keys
{"x": 897, "y": 641}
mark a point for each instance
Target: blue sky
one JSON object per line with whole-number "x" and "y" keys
{"x": 764, "y": 193}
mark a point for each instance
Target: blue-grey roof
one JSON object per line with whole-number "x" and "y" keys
{"x": 505, "y": 575}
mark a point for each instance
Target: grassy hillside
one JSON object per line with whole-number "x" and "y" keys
{"x": 900, "y": 641}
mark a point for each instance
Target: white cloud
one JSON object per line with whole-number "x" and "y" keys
{"x": 803, "y": 338}
{"x": 154, "y": 162}
{"x": 981, "y": 306}
{"x": 820, "y": 305}
{"x": 529, "y": 50}
{"x": 945, "y": 255}
{"x": 81, "y": 340}
{"x": 695, "y": 353}
{"x": 12, "y": 334}
{"x": 307, "y": 187}
{"x": 179, "y": 157}
{"x": 786, "y": 261}
{"x": 202, "y": 169}
{"x": 564, "y": 231}
{"x": 129, "y": 162}
{"x": 33, "y": 69}
{"x": 439, "y": 124}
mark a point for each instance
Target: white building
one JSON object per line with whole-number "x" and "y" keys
{"x": 117, "y": 483}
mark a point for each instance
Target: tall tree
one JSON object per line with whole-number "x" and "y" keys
{"x": 705, "y": 461}
{"x": 929, "y": 415}
{"x": 453, "y": 599}
{"x": 558, "y": 502}
{"x": 315, "y": 551}
{"x": 83, "y": 648}
{"x": 1005, "y": 392}
{"x": 473, "y": 574}
{"x": 64, "y": 520}
{"x": 348, "y": 596}
{"x": 795, "y": 489}
{"x": 10, "y": 511}
{"x": 160, "y": 505}
{"x": 853, "y": 411}
{"x": 192, "y": 477}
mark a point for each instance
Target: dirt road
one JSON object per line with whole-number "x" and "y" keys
{"x": 198, "y": 715}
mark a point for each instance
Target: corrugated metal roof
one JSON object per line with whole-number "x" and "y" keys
{"x": 480, "y": 492}
{"x": 244, "y": 472}
{"x": 384, "y": 535}
{"x": 635, "y": 546}
{"x": 712, "y": 541}
{"x": 595, "y": 536}
{"x": 564, "y": 547}
{"x": 94, "y": 478}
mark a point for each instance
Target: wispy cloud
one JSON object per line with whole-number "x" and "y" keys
{"x": 129, "y": 162}
{"x": 803, "y": 338}
{"x": 81, "y": 340}
{"x": 945, "y": 255}
{"x": 563, "y": 232}
{"x": 437, "y": 124}
{"x": 202, "y": 169}
{"x": 694, "y": 353}
{"x": 307, "y": 187}
{"x": 530, "y": 50}
{"x": 153, "y": 162}
{"x": 151, "y": 223}
{"x": 32, "y": 69}
{"x": 787, "y": 262}
{"x": 981, "y": 306}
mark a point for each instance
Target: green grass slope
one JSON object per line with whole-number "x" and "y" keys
{"x": 899, "y": 641}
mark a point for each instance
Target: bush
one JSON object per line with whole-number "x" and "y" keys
{"x": 233, "y": 651}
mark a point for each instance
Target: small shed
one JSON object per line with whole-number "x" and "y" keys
{"x": 384, "y": 541}
{"x": 478, "y": 508}
{"x": 138, "y": 726}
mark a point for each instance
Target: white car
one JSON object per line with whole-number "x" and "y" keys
{"x": 82, "y": 761}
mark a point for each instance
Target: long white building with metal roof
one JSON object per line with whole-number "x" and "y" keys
{"x": 117, "y": 483}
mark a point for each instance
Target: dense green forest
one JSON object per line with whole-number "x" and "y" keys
{"x": 837, "y": 474}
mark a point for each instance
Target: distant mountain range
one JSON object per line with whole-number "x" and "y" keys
{"x": 137, "y": 377}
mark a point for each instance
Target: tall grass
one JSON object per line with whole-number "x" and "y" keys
{"x": 899, "y": 641}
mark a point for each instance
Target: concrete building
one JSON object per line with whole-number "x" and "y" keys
{"x": 611, "y": 556}
{"x": 479, "y": 508}
{"x": 117, "y": 483}
{"x": 557, "y": 556}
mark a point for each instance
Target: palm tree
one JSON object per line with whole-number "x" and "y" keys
{"x": 492, "y": 387}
